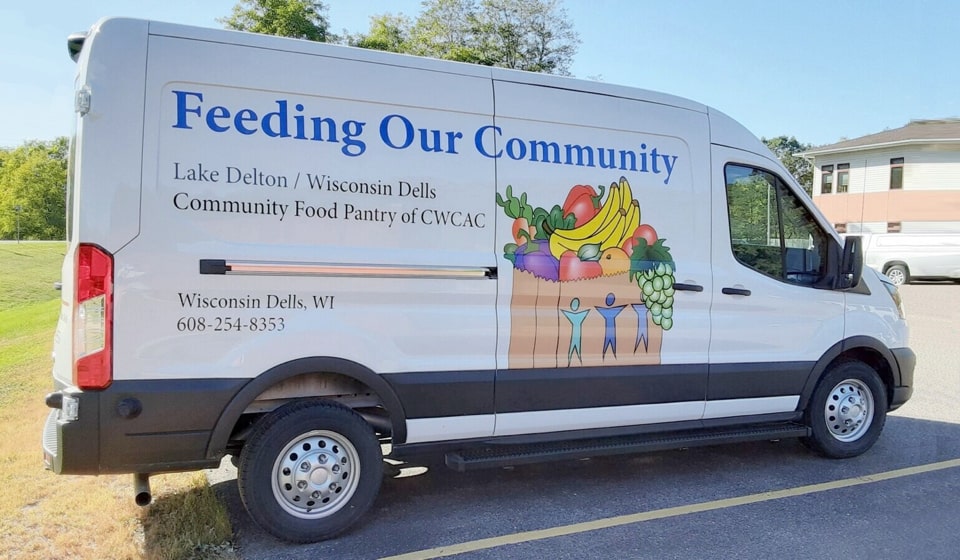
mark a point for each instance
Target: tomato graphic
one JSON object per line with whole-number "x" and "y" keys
{"x": 643, "y": 231}
{"x": 647, "y": 232}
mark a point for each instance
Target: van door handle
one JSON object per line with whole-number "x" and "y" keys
{"x": 688, "y": 287}
{"x": 736, "y": 291}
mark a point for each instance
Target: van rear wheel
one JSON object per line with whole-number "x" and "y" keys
{"x": 847, "y": 411}
{"x": 310, "y": 470}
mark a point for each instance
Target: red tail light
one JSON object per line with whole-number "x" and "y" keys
{"x": 93, "y": 319}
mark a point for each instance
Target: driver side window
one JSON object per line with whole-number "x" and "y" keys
{"x": 771, "y": 231}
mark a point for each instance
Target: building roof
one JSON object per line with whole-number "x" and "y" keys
{"x": 927, "y": 131}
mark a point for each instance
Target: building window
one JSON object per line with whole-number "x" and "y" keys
{"x": 843, "y": 177}
{"x": 893, "y": 227}
{"x": 841, "y": 228}
{"x": 896, "y": 173}
{"x": 826, "y": 179}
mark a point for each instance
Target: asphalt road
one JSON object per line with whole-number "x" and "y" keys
{"x": 759, "y": 500}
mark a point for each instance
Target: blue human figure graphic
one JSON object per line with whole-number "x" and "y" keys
{"x": 576, "y": 336}
{"x": 609, "y": 315}
{"x": 642, "y": 336}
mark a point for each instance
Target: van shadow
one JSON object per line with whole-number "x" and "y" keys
{"x": 187, "y": 524}
{"x": 421, "y": 508}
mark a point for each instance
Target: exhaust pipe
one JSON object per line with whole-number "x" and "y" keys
{"x": 141, "y": 489}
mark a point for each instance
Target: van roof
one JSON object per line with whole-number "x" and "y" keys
{"x": 257, "y": 40}
{"x": 723, "y": 129}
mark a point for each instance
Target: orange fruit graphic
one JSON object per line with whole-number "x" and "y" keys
{"x": 614, "y": 261}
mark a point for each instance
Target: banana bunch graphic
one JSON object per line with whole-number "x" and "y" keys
{"x": 617, "y": 219}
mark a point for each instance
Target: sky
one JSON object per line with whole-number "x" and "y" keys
{"x": 819, "y": 70}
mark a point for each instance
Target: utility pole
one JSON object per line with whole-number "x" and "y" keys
{"x": 17, "y": 209}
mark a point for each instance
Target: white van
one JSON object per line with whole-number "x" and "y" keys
{"x": 913, "y": 256}
{"x": 295, "y": 253}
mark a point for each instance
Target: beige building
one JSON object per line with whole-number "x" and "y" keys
{"x": 901, "y": 180}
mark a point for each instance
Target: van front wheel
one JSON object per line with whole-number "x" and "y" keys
{"x": 309, "y": 470}
{"x": 847, "y": 411}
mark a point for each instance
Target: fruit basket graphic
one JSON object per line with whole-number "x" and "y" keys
{"x": 592, "y": 285}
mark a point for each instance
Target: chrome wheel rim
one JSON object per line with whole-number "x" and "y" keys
{"x": 848, "y": 411}
{"x": 316, "y": 474}
{"x": 896, "y": 276}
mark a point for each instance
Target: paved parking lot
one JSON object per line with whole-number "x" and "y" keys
{"x": 758, "y": 500}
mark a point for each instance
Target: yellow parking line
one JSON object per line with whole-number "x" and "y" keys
{"x": 552, "y": 532}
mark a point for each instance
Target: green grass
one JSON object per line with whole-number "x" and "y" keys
{"x": 28, "y": 271}
{"x": 26, "y": 337}
{"x": 27, "y": 318}
{"x": 43, "y": 515}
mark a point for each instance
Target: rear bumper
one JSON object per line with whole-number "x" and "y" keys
{"x": 71, "y": 446}
{"x": 903, "y": 388}
{"x": 135, "y": 426}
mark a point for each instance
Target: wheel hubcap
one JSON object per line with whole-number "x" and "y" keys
{"x": 896, "y": 276}
{"x": 316, "y": 474}
{"x": 849, "y": 410}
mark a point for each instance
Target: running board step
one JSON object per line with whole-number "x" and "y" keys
{"x": 521, "y": 454}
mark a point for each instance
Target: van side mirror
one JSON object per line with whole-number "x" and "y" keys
{"x": 851, "y": 262}
{"x": 75, "y": 44}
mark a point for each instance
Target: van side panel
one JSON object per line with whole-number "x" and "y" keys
{"x": 314, "y": 186}
{"x": 767, "y": 334}
{"x": 580, "y": 349}
{"x": 352, "y": 214}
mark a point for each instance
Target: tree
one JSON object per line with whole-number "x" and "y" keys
{"x": 786, "y": 150}
{"x": 446, "y": 29}
{"x": 387, "y": 33}
{"x": 33, "y": 178}
{"x": 300, "y": 19}
{"x": 533, "y": 35}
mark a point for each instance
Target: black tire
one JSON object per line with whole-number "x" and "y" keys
{"x": 847, "y": 411}
{"x": 898, "y": 274}
{"x": 310, "y": 470}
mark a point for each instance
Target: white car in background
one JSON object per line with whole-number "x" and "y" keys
{"x": 903, "y": 257}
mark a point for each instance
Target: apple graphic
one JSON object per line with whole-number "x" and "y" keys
{"x": 572, "y": 268}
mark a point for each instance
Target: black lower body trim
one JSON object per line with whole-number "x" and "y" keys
{"x": 743, "y": 381}
{"x": 438, "y": 394}
{"x": 526, "y": 390}
{"x": 467, "y": 393}
{"x": 139, "y": 426}
{"x": 903, "y": 390}
{"x": 900, "y": 396}
{"x": 907, "y": 361}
